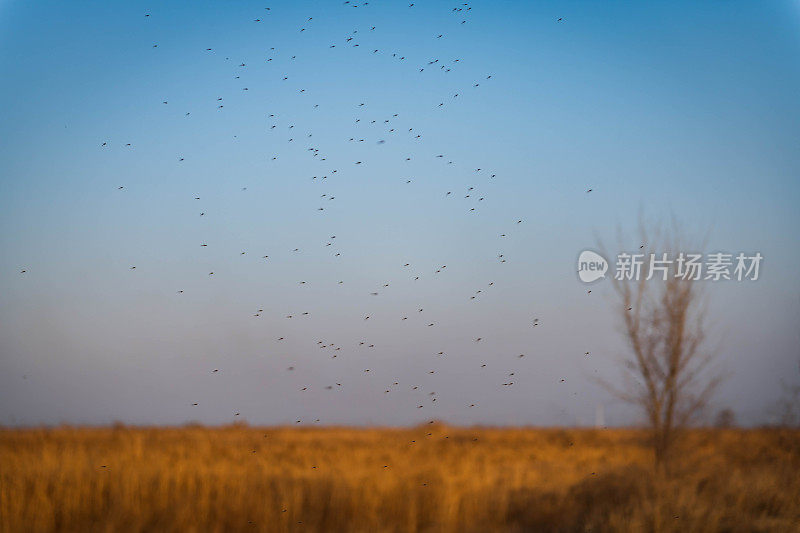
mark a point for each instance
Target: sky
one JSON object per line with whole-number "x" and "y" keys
{"x": 126, "y": 142}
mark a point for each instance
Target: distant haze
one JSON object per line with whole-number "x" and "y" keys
{"x": 661, "y": 108}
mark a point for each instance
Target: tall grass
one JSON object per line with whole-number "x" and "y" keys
{"x": 430, "y": 478}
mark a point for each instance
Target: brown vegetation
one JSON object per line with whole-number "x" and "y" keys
{"x": 429, "y": 478}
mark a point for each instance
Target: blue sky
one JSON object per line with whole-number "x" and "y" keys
{"x": 662, "y": 108}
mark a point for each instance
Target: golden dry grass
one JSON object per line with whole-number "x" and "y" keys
{"x": 431, "y": 478}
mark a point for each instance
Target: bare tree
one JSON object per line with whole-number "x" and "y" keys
{"x": 663, "y": 319}
{"x": 789, "y": 404}
{"x": 725, "y": 419}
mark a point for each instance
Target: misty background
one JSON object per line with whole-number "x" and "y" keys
{"x": 664, "y": 108}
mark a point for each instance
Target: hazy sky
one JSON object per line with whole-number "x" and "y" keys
{"x": 668, "y": 108}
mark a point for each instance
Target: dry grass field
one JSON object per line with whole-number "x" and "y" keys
{"x": 430, "y": 478}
